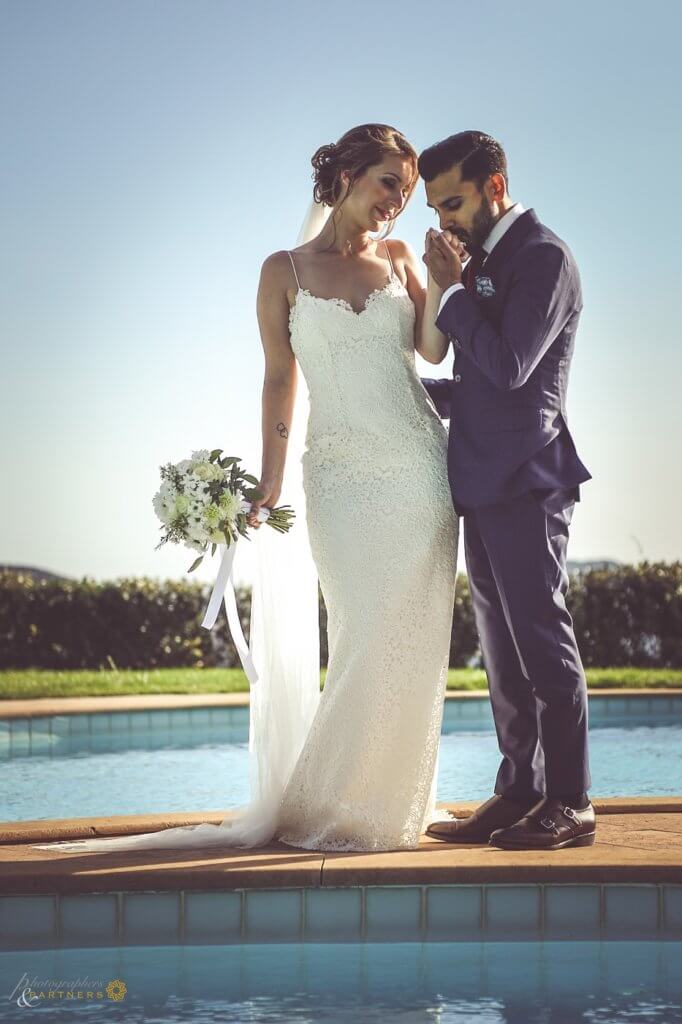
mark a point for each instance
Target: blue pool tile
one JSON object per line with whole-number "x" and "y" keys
{"x": 630, "y": 911}
{"x": 40, "y": 743}
{"x": 512, "y": 911}
{"x": 505, "y": 971}
{"x": 160, "y": 720}
{"x": 151, "y": 917}
{"x": 274, "y": 915}
{"x": 200, "y": 717}
{"x": 60, "y": 725}
{"x": 392, "y": 978}
{"x": 180, "y": 718}
{"x": 103, "y": 742}
{"x": 572, "y": 911}
{"x": 472, "y": 708}
{"x": 27, "y": 921}
{"x": 393, "y": 913}
{"x": 19, "y": 743}
{"x": 101, "y": 723}
{"x": 213, "y": 917}
{"x": 672, "y": 910}
{"x": 89, "y": 919}
{"x": 629, "y": 972}
{"x": 140, "y": 721}
{"x": 119, "y": 722}
{"x": 40, "y": 724}
{"x": 333, "y": 915}
{"x": 454, "y": 912}
{"x": 560, "y": 974}
{"x": 137, "y": 740}
{"x": 221, "y": 716}
{"x": 79, "y": 724}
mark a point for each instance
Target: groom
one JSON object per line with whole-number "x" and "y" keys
{"x": 511, "y": 315}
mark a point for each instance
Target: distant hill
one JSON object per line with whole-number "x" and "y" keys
{"x": 36, "y": 574}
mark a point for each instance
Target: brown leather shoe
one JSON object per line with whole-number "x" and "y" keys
{"x": 496, "y": 813}
{"x": 550, "y": 825}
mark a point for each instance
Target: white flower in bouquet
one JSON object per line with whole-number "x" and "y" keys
{"x": 205, "y": 500}
{"x": 164, "y": 502}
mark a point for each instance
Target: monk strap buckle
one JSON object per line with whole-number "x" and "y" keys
{"x": 571, "y": 815}
{"x": 549, "y": 825}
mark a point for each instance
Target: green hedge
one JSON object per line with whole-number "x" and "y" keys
{"x": 631, "y": 615}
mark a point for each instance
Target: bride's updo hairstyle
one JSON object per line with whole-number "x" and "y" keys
{"x": 356, "y": 151}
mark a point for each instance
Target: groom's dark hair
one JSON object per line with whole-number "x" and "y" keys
{"x": 479, "y": 155}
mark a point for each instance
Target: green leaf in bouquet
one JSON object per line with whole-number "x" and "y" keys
{"x": 215, "y": 454}
{"x": 230, "y": 460}
{"x": 194, "y": 564}
{"x": 213, "y": 548}
{"x": 250, "y": 479}
{"x": 228, "y": 538}
{"x": 252, "y": 494}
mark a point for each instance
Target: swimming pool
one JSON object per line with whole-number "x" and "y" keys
{"x": 439, "y": 983}
{"x": 142, "y": 762}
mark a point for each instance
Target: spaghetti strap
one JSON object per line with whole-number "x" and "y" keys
{"x": 388, "y": 253}
{"x": 293, "y": 267}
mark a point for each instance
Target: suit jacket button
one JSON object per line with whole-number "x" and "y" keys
{"x": 458, "y": 378}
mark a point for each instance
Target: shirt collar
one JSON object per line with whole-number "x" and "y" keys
{"x": 502, "y": 226}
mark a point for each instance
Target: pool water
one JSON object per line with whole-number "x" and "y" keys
{"x": 203, "y": 770}
{"x": 437, "y": 983}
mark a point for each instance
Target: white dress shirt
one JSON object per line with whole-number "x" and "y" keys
{"x": 500, "y": 228}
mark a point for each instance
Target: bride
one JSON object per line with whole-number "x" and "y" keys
{"x": 349, "y": 310}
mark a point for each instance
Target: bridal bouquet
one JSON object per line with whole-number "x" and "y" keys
{"x": 205, "y": 500}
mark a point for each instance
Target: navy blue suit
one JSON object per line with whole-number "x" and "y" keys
{"x": 515, "y": 475}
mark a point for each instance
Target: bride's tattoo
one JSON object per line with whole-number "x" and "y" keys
{"x": 282, "y": 430}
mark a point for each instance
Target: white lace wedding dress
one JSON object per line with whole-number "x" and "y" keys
{"x": 383, "y": 535}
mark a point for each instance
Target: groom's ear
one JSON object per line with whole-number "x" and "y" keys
{"x": 496, "y": 185}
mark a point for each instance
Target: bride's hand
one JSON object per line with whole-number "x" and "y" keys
{"x": 270, "y": 491}
{"x": 454, "y": 242}
{"x": 459, "y": 246}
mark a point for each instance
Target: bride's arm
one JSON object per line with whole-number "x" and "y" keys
{"x": 429, "y": 342}
{"x": 279, "y": 384}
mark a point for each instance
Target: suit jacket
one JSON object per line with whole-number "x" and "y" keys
{"x": 513, "y": 340}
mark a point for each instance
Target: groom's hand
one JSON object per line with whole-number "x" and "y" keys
{"x": 443, "y": 256}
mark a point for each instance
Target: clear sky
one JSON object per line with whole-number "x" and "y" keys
{"x": 156, "y": 152}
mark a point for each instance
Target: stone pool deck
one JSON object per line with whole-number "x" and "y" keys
{"x": 639, "y": 841}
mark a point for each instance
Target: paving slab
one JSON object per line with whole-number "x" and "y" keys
{"x": 640, "y": 844}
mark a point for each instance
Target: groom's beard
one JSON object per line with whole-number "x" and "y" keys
{"x": 482, "y": 225}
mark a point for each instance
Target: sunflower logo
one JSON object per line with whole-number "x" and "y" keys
{"x": 116, "y": 990}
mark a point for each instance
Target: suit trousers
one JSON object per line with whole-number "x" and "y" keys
{"x": 516, "y": 560}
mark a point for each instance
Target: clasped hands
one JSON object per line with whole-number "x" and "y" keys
{"x": 444, "y": 255}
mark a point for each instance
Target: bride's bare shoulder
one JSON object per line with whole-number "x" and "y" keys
{"x": 399, "y": 249}
{"x": 276, "y": 269}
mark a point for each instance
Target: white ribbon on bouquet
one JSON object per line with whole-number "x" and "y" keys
{"x": 223, "y": 588}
